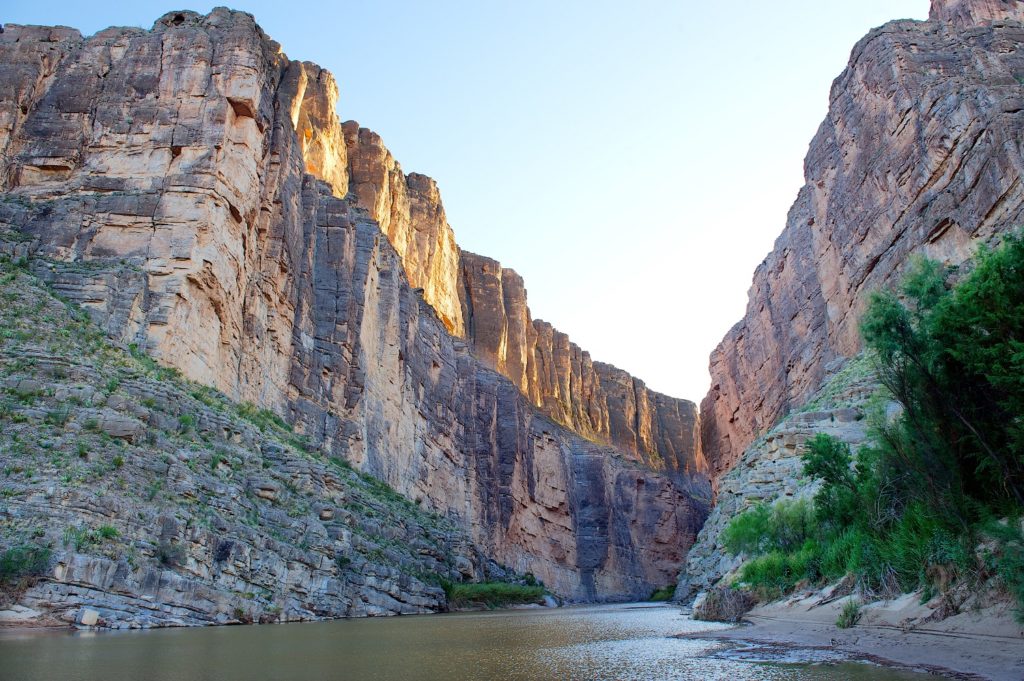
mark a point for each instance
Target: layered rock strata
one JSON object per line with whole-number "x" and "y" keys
{"x": 486, "y": 303}
{"x": 164, "y": 504}
{"x": 919, "y": 154}
{"x": 409, "y": 211}
{"x": 597, "y": 400}
{"x": 188, "y": 186}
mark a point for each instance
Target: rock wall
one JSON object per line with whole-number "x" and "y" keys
{"x": 409, "y": 211}
{"x": 198, "y": 182}
{"x": 919, "y": 154}
{"x": 771, "y": 469}
{"x": 486, "y": 303}
{"x": 167, "y": 505}
{"x": 596, "y": 400}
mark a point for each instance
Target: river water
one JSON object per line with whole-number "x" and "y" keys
{"x": 621, "y": 642}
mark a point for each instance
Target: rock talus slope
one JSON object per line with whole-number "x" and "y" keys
{"x": 919, "y": 154}
{"x": 164, "y": 504}
{"x": 216, "y": 214}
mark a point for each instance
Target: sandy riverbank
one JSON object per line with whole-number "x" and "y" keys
{"x": 984, "y": 643}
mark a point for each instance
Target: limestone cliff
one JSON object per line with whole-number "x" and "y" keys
{"x": 486, "y": 303}
{"x": 159, "y": 503}
{"x": 216, "y": 214}
{"x": 409, "y": 211}
{"x": 919, "y": 154}
{"x": 597, "y": 400}
{"x": 771, "y": 468}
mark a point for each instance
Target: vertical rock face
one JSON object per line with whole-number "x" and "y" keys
{"x": 966, "y": 13}
{"x": 920, "y": 154}
{"x": 204, "y": 203}
{"x": 409, "y": 211}
{"x": 596, "y": 400}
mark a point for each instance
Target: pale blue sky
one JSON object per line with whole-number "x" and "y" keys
{"x": 634, "y": 161}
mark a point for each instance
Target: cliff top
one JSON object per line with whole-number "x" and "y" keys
{"x": 966, "y": 13}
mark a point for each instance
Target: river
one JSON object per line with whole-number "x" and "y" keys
{"x": 619, "y": 642}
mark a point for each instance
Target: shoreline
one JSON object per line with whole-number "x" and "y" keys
{"x": 984, "y": 644}
{"x": 54, "y": 625}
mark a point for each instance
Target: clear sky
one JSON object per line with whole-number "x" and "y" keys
{"x": 634, "y": 161}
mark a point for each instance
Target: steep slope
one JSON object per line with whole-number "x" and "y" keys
{"x": 221, "y": 218}
{"x": 155, "y": 502}
{"x": 487, "y": 304}
{"x": 920, "y": 154}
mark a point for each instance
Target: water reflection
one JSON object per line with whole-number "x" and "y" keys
{"x": 612, "y": 642}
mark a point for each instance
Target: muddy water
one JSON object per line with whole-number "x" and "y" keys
{"x": 599, "y": 642}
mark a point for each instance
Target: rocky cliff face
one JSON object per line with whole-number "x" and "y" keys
{"x": 164, "y": 504}
{"x": 409, "y": 211}
{"x": 476, "y": 298}
{"x": 919, "y": 154}
{"x": 597, "y": 400}
{"x": 219, "y": 217}
{"x": 771, "y": 469}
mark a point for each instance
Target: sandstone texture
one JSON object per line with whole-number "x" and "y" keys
{"x": 408, "y": 209}
{"x": 192, "y": 188}
{"x": 920, "y": 154}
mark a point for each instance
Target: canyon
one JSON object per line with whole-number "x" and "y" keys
{"x": 194, "y": 190}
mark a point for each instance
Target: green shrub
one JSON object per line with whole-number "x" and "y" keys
{"x": 844, "y": 554}
{"x": 83, "y": 539}
{"x": 215, "y": 460}
{"x": 107, "y": 532}
{"x": 1009, "y": 560}
{"x": 784, "y": 526}
{"x": 909, "y": 508}
{"x": 58, "y": 416}
{"x": 665, "y": 593}
{"x": 22, "y": 563}
{"x": 776, "y": 573}
{"x": 264, "y": 419}
{"x": 849, "y": 615}
{"x": 491, "y": 594}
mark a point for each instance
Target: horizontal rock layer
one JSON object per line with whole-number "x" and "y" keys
{"x": 597, "y": 400}
{"x": 919, "y": 154}
{"x": 167, "y": 505}
{"x": 196, "y": 180}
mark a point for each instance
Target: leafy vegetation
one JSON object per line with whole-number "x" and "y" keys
{"x": 22, "y": 563}
{"x": 491, "y": 594}
{"x": 665, "y": 593}
{"x": 939, "y": 478}
{"x": 849, "y": 615}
